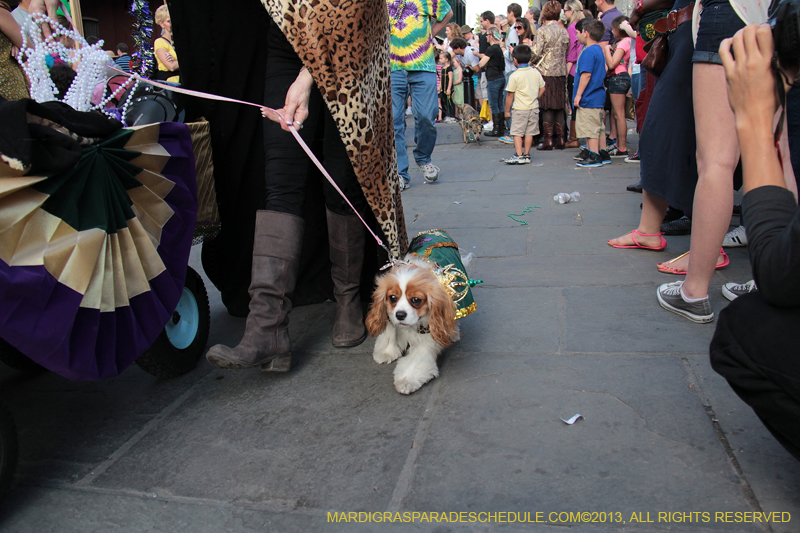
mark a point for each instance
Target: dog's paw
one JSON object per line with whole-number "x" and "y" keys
{"x": 386, "y": 356}
{"x": 408, "y": 379}
{"x": 407, "y": 386}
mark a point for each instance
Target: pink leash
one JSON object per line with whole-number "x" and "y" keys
{"x": 294, "y": 132}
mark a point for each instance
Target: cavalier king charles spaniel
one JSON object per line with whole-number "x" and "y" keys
{"x": 411, "y": 314}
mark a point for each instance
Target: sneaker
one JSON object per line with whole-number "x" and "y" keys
{"x": 583, "y": 154}
{"x": 489, "y": 126}
{"x": 430, "y": 172}
{"x": 408, "y": 112}
{"x": 610, "y": 142}
{"x": 592, "y": 160}
{"x": 515, "y": 160}
{"x": 506, "y": 139}
{"x": 671, "y": 298}
{"x": 404, "y": 184}
{"x": 449, "y": 120}
{"x": 633, "y": 158}
{"x": 604, "y": 157}
{"x": 526, "y": 158}
{"x": 616, "y": 152}
{"x": 731, "y": 290}
{"x": 735, "y": 238}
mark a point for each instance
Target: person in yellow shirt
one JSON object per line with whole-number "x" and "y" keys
{"x": 525, "y": 87}
{"x": 168, "y": 68}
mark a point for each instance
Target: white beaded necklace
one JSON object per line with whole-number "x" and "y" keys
{"x": 89, "y": 63}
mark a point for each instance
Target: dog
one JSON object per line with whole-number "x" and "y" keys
{"x": 412, "y": 314}
{"x": 471, "y": 123}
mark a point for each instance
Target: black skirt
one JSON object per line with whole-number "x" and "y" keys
{"x": 668, "y": 145}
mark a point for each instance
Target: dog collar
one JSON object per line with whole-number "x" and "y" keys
{"x": 423, "y": 329}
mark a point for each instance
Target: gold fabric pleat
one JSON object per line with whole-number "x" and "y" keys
{"x": 107, "y": 269}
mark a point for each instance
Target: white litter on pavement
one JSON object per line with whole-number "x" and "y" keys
{"x": 572, "y": 420}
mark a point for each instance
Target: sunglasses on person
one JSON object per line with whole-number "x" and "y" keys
{"x": 519, "y": 28}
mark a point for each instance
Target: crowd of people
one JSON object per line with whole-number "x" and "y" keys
{"x": 564, "y": 77}
{"x": 536, "y": 70}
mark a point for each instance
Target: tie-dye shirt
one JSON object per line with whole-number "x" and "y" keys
{"x": 412, "y": 43}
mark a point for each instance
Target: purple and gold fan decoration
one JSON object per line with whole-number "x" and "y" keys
{"x": 93, "y": 259}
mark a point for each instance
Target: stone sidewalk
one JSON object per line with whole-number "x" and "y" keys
{"x": 565, "y": 325}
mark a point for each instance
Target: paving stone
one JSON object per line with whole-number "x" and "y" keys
{"x": 644, "y": 434}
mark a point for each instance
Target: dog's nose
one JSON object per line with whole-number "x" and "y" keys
{"x": 401, "y": 315}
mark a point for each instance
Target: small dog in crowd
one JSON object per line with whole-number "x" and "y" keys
{"x": 411, "y": 313}
{"x": 470, "y": 121}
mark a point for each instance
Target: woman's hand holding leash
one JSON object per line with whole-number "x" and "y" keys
{"x": 295, "y": 109}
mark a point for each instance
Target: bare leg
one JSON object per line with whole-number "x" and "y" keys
{"x": 653, "y": 211}
{"x": 518, "y": 145}
{"x": 528, "y": 144}
{"x": 618, "y": 118}
{"x": 717, "y": 155}
{"x": 592, "y": 145}
{"x": 612, "y": 129}
{"x": 602, "y": 139}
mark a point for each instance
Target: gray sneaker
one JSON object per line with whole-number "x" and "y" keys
{"x": 430, "y": 172}
{"x": 671, "y": 299}
{"x": 404, "y": 184}
{"x": 516, "y": 160}
{"x": 731, "y": 290}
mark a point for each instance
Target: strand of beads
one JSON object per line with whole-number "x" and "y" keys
{"x": 89, "y": 63}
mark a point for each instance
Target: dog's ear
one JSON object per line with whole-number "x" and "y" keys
{"x": 376, "y": 318}
{"x": 443, "y": 316}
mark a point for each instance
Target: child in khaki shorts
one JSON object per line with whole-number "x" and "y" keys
{"x": 525, "y": 87}
{"x": 590, "y": 95}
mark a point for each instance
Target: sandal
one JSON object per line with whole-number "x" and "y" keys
{"x": 726, "y": 261}
{"x": 636, "y": 243}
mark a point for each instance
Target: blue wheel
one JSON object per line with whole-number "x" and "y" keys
{"x": 183, "y": 341}
{"x": 182, "y": 328}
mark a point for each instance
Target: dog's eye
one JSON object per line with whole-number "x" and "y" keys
{"x": 416, "y": 301}
{"x": 393, "y": 298}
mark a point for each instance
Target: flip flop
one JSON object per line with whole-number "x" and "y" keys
{"x": 726, "y": 261}
{"x": 636, "y": 243}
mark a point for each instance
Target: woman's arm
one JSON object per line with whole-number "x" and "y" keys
{"x": 9, "y": 26}
{"x": 538, "y": 48}
{"x": 612, "y": 61}
{"x": 166, "y": 58}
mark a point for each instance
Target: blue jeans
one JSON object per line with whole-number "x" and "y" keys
{"x": 421, "y": 85}
{"x": 495, "y": 89}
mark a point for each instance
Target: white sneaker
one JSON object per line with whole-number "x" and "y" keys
{"x": 408, "y": 112}
{"x": 404, "y": 184}
{"x": 430, "y": 172}
{"x": 732, "y": 290}
{"x": 489, "y": 126}
{"x": 735, "y": 238}
{"x": 449, "y": 120}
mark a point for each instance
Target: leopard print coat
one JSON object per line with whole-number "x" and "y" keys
{"x": 345, "y": 46}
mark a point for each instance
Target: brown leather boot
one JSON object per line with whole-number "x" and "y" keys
{"x": 547, "y": 138}
{"x": 276, "y": 255}
{"x": 346, "y": 238}
{"x": 573, "y": 141}
{"x": 558, "y": 136}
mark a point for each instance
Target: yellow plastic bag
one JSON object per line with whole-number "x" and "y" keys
{"x": 486, "y": 112}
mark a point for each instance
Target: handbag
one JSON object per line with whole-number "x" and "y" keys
{"x": 657, "y": 54}
{"x": 486, "y": 112}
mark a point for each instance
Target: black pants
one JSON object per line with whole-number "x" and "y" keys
{"x": 756, "y": 347}
{"x": 287, "y": 166}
